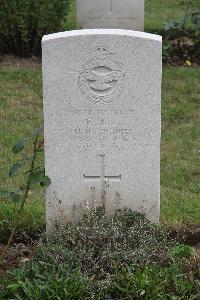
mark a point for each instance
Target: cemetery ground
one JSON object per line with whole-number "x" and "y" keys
{"x": 21, "y": 111}
{"x": 164, "y": 270}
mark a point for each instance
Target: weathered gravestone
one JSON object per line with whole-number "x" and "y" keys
{"x": 102, "y": 94}
{"x": 124, "y": 14}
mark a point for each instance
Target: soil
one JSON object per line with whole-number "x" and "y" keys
{"x": 178, "y": 62}
{"x": 11, "y": 61}
{"x": 17, "y": 255}
{"x": 189, "y": 235}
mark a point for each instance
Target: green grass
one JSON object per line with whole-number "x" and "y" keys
{"x": 21, "y": 111}
{"x": 180, "y": 145}
{"x": 31, "y": 224}
{"x": 157, "y": 12}
{"x": 45, "y": 281}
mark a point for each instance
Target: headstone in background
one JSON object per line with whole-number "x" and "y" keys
{"x": 102, "y": 95}
{"x": 124, "y": 14}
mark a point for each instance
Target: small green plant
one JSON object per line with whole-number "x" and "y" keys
{"x": 155, "y": 282}
{"x": 33, "y": 175}
{"x": 181, "y": 251}
{"x": 43, "y": 281}
{"x": 167, "y": 51}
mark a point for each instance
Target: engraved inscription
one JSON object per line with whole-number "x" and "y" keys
{"x": 101, "y": 79}
{"x": 102, "y": 130}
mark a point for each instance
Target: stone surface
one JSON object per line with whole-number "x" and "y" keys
{"x": 102, "y": 95}
{"x": 124, "y": 14}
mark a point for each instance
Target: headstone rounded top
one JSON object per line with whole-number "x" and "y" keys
{"x": 87, "y": 32}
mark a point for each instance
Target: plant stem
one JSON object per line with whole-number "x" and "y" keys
{"x": 23, "y": 201}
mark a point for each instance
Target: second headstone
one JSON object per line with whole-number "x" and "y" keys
{"x": 120, "y": 14}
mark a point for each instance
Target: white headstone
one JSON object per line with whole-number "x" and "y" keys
{"x": 124, "y": 14}
{"x": 102, "y": 95}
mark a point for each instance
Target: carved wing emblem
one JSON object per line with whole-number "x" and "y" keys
{"x": 100, "y": 81}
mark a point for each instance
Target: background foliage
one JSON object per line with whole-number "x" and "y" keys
{"x": 182, "y": 37}
{"x": 24, "y": 22}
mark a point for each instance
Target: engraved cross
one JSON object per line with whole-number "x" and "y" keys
{"x": 102, "y": 178}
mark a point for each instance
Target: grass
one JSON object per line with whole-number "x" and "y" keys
{"x": 45, "y": 281}
{"x": 180, "y": 146}
{"x": 30, "y": 226}
{"x": 21, "y": 111}
{"x": 157, "y": 12}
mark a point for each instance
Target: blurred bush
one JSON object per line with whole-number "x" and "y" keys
{"x": 24, "y": 22}
{"x": 182, "y": 38}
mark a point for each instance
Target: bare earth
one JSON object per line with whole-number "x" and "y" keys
{"x": 10, "y": 62}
